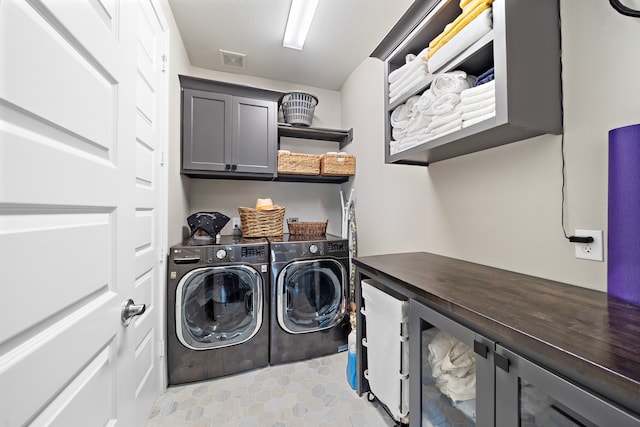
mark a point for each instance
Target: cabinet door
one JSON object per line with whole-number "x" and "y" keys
{"x": 451, "y": 372}
{"x": 207, "y": 131}
{"x": 529, "y": 395}
{"x": 254, "y": 136}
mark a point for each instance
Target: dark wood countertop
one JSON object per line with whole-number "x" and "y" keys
{"x": 579, "y": 333}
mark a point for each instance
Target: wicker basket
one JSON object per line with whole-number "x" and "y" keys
{"x": 262, "y": 223}
{"x": 337, "y": 164}
{"x": 308, "y": 228}
{"x": 298, "y": 107}
{"x": 298, "y": 163}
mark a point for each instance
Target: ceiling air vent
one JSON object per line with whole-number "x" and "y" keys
{"x": 232, "y": 59}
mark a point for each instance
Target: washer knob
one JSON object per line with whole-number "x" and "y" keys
{"x": 221, "y": 254}
{"x": 313, "y": 249}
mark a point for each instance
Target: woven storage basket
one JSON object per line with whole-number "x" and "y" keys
{"x": 262, "y": 223}
{"x": 298, "y": 108}
{"x": 298, "y": 163}
{"x": 308, "y": 228}
{"x": 337, "y": 164}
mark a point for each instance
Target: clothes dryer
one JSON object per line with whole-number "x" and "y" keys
{"x": 217, "y": 308}
{"x": 309, "y": 292}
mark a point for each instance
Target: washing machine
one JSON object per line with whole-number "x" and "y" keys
{"x": 217, "y": 308}
{"x": 309, "y": 292}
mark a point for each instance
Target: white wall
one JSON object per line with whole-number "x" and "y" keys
{"x": 178, "y": 190}
{"x": 502, "y": 207}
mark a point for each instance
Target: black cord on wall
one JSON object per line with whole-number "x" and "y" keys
{"x": 625, "y": 10}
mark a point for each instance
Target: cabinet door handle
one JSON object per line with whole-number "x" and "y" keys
{"x": 227, "y": 167}
{"x": 234, "y": 167}
{"x": 480, "y": 349}
{"x": 501, "y": 362}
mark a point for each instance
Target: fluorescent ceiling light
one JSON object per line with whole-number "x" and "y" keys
{"x": 300, "y": 17}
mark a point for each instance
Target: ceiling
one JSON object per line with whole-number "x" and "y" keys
{"x": 342, "y": 35}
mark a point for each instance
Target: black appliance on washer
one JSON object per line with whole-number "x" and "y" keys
{"x": 309, "y": 282}
{"x": 217, "y": 308}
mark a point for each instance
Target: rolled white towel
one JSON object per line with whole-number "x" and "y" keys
{"x": 400, "y": 116}
{"x": 398, "y": 133}
{"x": 425, "y": 103}
{"x": 445, "y": 103}
{"x": 451, "y": 82}
{"x": 410, "y": 102}
{"x": 478, "y": 105}
{"x": 444, "y": 119}
{"x": 418, "y": 122}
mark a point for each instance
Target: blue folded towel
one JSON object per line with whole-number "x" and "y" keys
{"x": 485, "y": 77}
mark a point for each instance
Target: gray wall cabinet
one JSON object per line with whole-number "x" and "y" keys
{"x": 524, "y": 49}
{"x": 228, "y": 131}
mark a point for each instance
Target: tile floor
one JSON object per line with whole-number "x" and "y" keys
{"x": 313, "y": 393}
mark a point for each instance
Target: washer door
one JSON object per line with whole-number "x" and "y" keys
{"x": 218, "y": 306}
{"x": 311, "y": 295}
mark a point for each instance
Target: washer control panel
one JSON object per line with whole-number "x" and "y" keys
{"x": 253, "y": 254}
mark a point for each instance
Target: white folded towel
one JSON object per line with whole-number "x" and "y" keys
{"x": 471, "y": 122}
{"x": 478, "y": 105}
{"x": 468, "y": 100}
{"x": 410, "y": 64}
{"x": 490, "y": 86}
{"x": 451, "y": 82}
{"x": 445, "y": 103}
{"x": 468, "y": 115}
{"x": 467, "y": 36}
{"x": 411, "y": 85}
{"x": 454, "y": 124}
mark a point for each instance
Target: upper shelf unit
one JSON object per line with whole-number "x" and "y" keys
{"x": 524, "y": 49}
{"x": 343, "y": 137}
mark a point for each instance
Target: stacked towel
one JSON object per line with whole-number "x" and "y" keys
{"x": 469, "y": 13}
{"x": 467, "y": 36}
{"x": 485, "y": 77}
{"x": 435, "y": 113}
{"x": 478, "y": 103}
{"x": 446, "y": 88}
{"x": 411, "y": 75}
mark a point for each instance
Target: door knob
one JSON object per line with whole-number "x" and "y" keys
{"x": 130, "y": 310}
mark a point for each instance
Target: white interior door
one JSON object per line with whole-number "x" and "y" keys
{"x": 70, "y": 210}
{"x": 149, "y": 258}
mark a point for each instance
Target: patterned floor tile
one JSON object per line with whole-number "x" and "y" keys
{"x": 312, "y": 393}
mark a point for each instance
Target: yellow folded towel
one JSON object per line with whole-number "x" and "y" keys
{"x": 463, "y": 3}
{"x": 458, "y": 24}
{"x": 469, "y": 7}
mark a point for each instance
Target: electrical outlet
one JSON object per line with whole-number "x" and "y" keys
{"x": 293, "y": 219}
{"x": 235, "y": 221}
{"x": 593, "y": 250}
